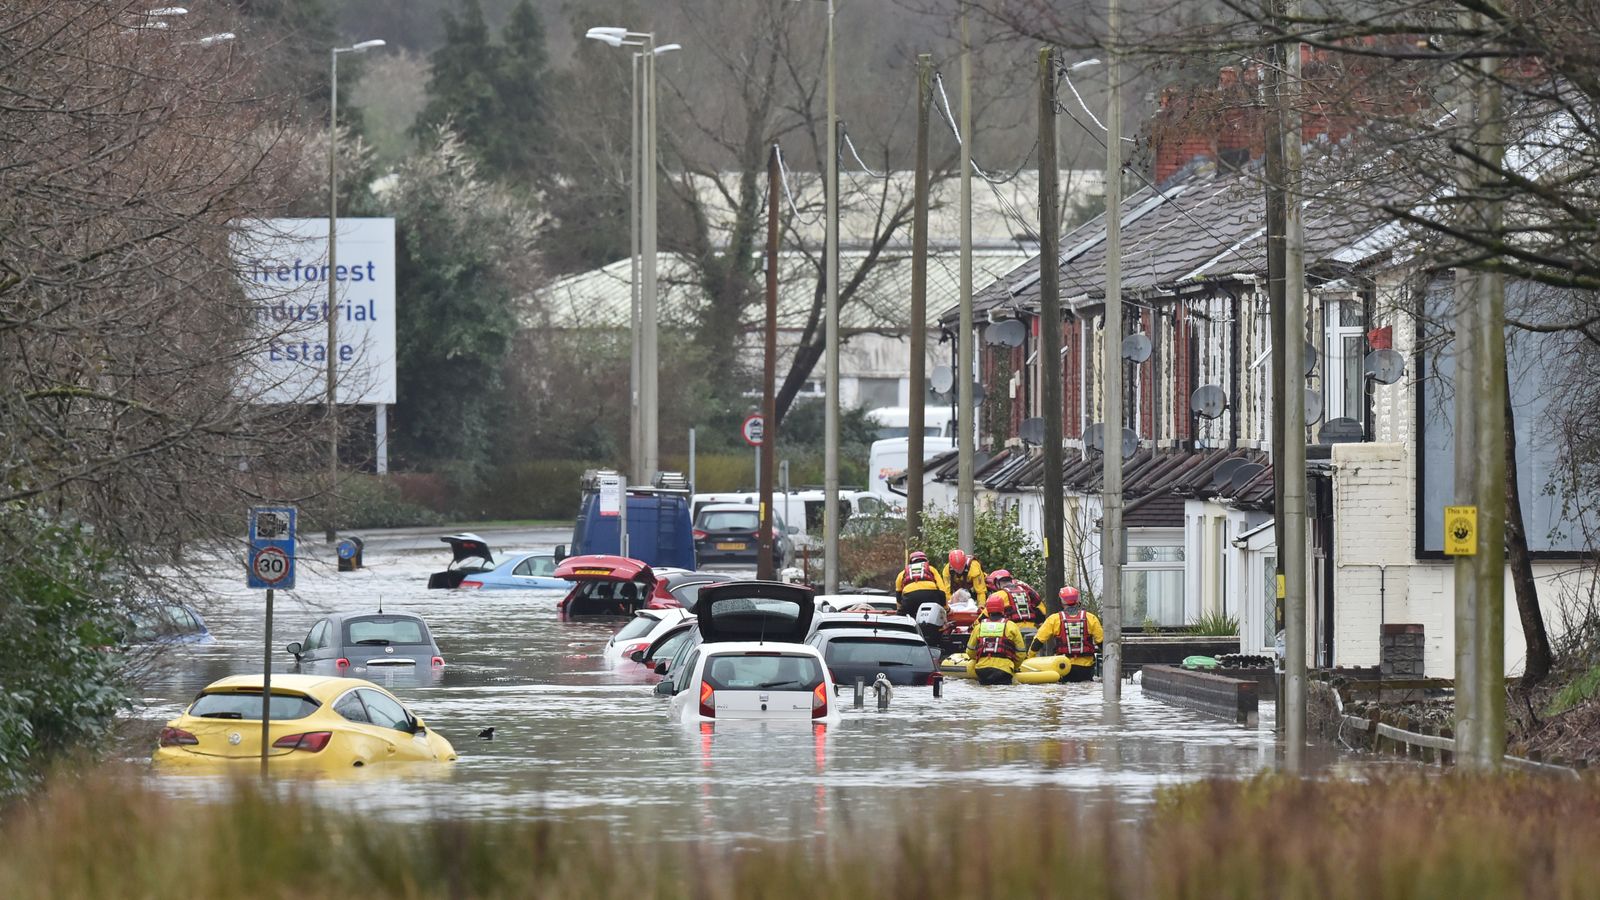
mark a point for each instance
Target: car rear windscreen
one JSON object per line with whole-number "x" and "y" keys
{"x": 639, "y": 627}
{"x": 384, "y": 631}
{"x": 231, "y": 705}
{"x": 866, "y": 651}
{"x": 761, "y": 671}
{"x": 867, "y": 622}
{"x": 730, "y": 520}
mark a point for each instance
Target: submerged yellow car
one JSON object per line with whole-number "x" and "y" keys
{"x": 318, "y": 724}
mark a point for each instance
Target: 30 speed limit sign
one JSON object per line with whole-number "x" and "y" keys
{"x": 270, "y": 565}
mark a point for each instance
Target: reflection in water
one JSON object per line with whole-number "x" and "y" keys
{"x": 577, "y": 735}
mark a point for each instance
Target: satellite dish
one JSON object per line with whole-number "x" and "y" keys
{"x": 978, "y": 393}
{"x": 1032, "y": 431}
{"x": 1208, "y": 401}
{"x": 1243, "y": 475}
{"x": 1386, "y": 366}
{"x": 1311, "y": 357}
{"x": 1094, "y": 437}
{"x": 1136, "y": 348}
{"x": 1223, "y": 473}
{"x": 1130, "y": 442}
{"x": 1341, "y": 431}
{"x": 1313, "y": 405}
{"x": 1006, "y": 333}
{"x": 943, "y": 378}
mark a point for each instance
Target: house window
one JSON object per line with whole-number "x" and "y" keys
{"x": 878, "y": 393}
{"x": 1269, "y": 577}
{"x": 1345, "y": 351}
{"x": 1152, "y": 579}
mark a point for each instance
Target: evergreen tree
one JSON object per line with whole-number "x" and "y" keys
{"x": 462, "y": 80}
{"x": 515, "y": 148}
{"x": 492, "y": 93}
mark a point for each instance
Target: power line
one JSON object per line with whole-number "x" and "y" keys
{"x": 851, "y": 146}
{"x": 783, "y": 171}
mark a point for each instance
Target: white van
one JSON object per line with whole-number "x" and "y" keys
{"x": 890, "y": 456}
{"x": 895, "y": 422}
{"x": 803, "y": 509}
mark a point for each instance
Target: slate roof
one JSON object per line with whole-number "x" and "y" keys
{"x": 1204, "y": 226}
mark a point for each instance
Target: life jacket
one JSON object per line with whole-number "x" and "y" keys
{"x": 992, "y": 641}
{"x": 964, "y": 578}
{"x": 1028, "y": 603}
{"x": 1075, "y": 638}
{"x": 917, "y": 571}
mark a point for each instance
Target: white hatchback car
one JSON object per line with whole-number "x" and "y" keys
{"x": 642, "y": 631}
{"x": 761, "y": 681}
{"x": 751, "y": 663}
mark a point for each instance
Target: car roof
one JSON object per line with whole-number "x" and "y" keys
{"x": 734, "y": 648}
{"x": 321, "y": 687}
{"x": 865, "y": 634}
{"x": 724, "y": 506}
{"x": 401, "y": 613}
{"x": 864, "y": 619}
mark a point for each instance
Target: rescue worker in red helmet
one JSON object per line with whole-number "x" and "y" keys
{"x": 917, "y": 584}
{"x": 995, "y": 648}
{"x": 1027, "y": 608}
{"x": 964, "y": 573}
{"x": 1077, "y": 635}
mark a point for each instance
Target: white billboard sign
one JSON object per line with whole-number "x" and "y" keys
{"x": 284, "y": 266}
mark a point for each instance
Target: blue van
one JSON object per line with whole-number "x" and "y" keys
{"x": 660, "y": 530}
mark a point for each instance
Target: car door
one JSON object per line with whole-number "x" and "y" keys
{"x": 681, "y": 695}
{"x": 316, "y": 646}
{"x": 396, "y": 725}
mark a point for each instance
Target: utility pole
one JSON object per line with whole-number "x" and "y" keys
{"x": 1111, "y": 549}
{"x": 649, "y": 310}
{"x": 1276, "y": 210}
{"x": 1050, "y": 331}
{"x": 830, "y": 463}
{"x": 1467, "y": 429}
{"x": 966, "y": 526}
{"x": 919, "y": 307}
{"x": 1489, "y": 385}
{"x": 766, "y": 565}
{"x": 1293, "y": 553}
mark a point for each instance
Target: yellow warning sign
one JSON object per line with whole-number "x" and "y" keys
{"x": 1460, "y": 531}
{"x": 1283, "y": 587}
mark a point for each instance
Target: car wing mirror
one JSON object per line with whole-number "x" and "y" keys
{"x": 561, "y": 552}
{"x": 295, "y": 648}
{"x": 417, "y": 727}
{"x": 661, "y": 667}
{"x": 637, "y": 656}
{"x": 665, "y": 688}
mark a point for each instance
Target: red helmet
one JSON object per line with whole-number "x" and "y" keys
{"x": 958, "y": 561}
{"x": 918, "y": 556}
{"x": 995, "y": 605}
{"x": 1001, "y": 575}
{"x": 1069, "y": 596}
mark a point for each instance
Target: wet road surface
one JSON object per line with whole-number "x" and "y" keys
{"x": 578, "y": 736}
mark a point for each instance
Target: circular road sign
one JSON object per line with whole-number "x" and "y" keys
{"x": 270, "y": 564}
{"x": 754, "y": 427}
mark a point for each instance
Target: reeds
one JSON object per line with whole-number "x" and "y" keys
{"x": 1269, "y": 837}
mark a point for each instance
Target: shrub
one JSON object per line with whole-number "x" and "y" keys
{"x": 375, "y": 501}
{"x": 533, "y": 489}
{"x": 1217, "y": 623}
{"x": 59, "y": 688}
{"x": 1001, "y": 543}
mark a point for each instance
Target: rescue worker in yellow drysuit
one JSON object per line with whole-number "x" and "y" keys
{"x": 995, "y": 647}
{"x": 964, "y": 573}
{"x": 917, "y": 584}
{"x": 1077, "y": 633}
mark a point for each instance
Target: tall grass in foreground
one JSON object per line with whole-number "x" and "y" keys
{"x": 1271, "y": 837}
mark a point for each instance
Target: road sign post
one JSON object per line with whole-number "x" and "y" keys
{"x": 270, "y": 566}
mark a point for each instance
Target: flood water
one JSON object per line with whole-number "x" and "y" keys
{"x": 577, "y": 737}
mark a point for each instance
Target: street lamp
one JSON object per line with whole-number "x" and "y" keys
{"x": 830, "y": 274}
{"x": 645, "y": 310}
{"x": 332, "y": 312}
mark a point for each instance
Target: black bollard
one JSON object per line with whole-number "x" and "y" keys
{"x": 938, "y": 685}
{"x": 861, "y": 692}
